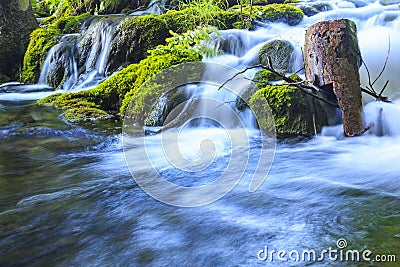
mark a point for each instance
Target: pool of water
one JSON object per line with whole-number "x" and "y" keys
{"x": 68, "y": 198}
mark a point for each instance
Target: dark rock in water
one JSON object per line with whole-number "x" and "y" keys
{"x": 61, "y": 64}
{"x": 165, "y": 104}
{"x": 16, "y": 23}
{"x": 280, "y": 52}
{"x": 312, "y": 8}
{"x": 121, "y": 6}
{"x": 134, "y": 37}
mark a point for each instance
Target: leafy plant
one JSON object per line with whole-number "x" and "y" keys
{"x": 192, "y": 39}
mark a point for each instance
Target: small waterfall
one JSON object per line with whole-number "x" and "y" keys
{"x": 154, "y": 7}
{"x": 80, "y": 61}
{"x": 60, "y": 66}
{"x": 99, "y": 38}
{"x": 241, "y": 50}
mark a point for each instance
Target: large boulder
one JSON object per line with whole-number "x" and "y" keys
{"x": 294, "y": 113}
{"x": 280, "y": 52}
{"x": 16, "y": 23}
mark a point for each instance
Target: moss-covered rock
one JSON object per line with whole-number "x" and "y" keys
{"x": 267, "y": 2}
{"x": 115, "y": 93}
{"x": 273, "y": 12}
{"x": 289, "y": 108}
{"x": 294, "y": 112}
{"x": 41, "y": 41}
{"x": 262, "y": 79}
{"x": 119, "y": 6}
{"x": 71, "y": 24}
{"x": 16, "y": 23}
{"x": 45, "y": 8}
{"x": 280, "y": 52}
{"x": 66, "y": 8}
{"x": 134, "y": 37}
{"x": 265, "y": 77}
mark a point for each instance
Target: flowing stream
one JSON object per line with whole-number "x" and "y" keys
{"x": 68, "y": 198}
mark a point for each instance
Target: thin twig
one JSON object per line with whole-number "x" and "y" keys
{"x": 384, "y": 87}
{"x": 378, "y": 97}
{"x": 226, "y": 102}
{"x": 369, "y": 75}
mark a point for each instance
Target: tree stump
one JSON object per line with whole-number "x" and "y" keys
{"x": 332, "y": 59}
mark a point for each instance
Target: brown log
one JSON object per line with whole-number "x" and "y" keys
{"x": 332, "y": 58}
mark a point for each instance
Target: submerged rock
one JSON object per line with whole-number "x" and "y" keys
{"x": 16, "y": 23}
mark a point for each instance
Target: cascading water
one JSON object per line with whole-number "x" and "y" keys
{"x": 154, "y": 7}
{"x": 61, "y": 63}
{"x": 241, "y": 50}
{"x": 100, "y": 35}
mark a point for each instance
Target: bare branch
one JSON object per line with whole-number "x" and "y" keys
{"x": 384, "y": 87}
{"x": 369, "y": 76}
{"x": 224, "y": 103}
{"x": 239, "y": 73}
{"x": 373, "y": 94}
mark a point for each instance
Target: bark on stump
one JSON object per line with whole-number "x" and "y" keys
{"x": 332, "y": 58}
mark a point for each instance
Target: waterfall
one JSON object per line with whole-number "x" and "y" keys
{"x": 240, "y": 50}
{"x": 61, "y": 60}
{"x": 154, "y": 7}
{"x": 377, "y": 26}
{"x": 81, "y": 61}
{"x": 100, "y": 35}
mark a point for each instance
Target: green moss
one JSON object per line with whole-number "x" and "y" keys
{"x": 45, "y": 8}
{"x": 85, "y": 114}
{"x": 70, "y": 24}
{"x": 273, "y": 12}
{"x": 264, "y": 77}
{"x": 115, "y": 93}
{"x": 76, "y": 7}
{"x": 290, "y": 108}
{"x": 295, "y": 77}
{"x": 41, "y": 41}
{"x": 48, "y": 99}
{"x": 189, "y": 19}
